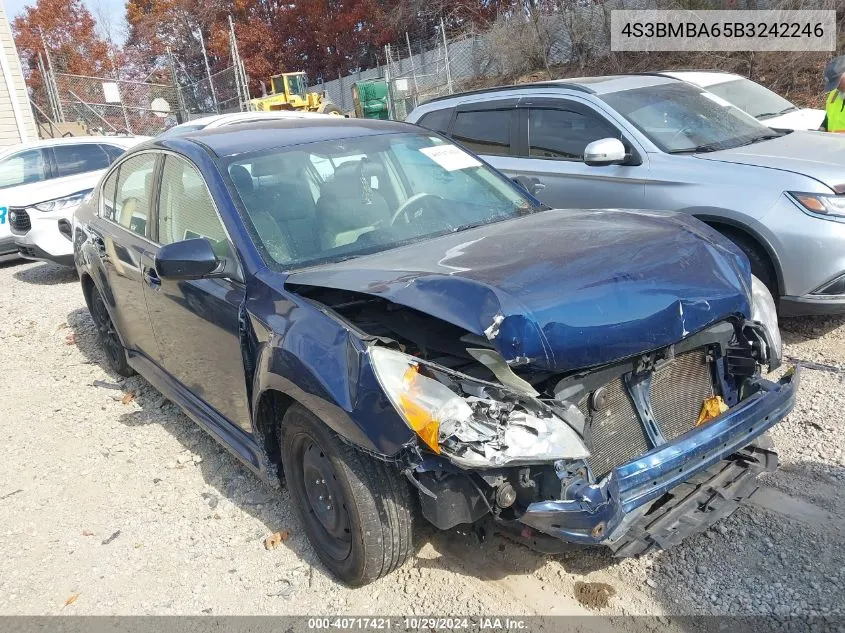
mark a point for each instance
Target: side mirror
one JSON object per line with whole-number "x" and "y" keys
{"x": 529, "y": 184}
{"x": 605, "y": 151}
{"x": 188, "y": 259}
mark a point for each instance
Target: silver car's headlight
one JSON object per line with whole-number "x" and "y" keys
{"x": 764, "y": 311}
{"x": 824, "y": 204}
{"x": 474, "y": 424}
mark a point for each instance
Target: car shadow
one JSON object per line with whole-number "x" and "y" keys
{"x": 801, "y": 329}
{"x": 46, "y": 274}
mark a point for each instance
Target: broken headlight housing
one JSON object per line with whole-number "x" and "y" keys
{"x": 473, "y": 423}
{"x": 764, "y": 311}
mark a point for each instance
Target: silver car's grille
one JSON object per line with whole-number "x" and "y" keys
{"x": 677, "y": 392}
{"x": 615, "y": 435}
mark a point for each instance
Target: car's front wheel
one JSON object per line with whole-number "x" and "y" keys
{"x": 356, "y": 510}
{"x": 112, "y": 345}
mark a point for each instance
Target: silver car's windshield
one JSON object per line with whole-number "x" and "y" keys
{"x": 333, "y": 200}
{"x": 678, "y": 118}
{"x": 757, "y": 100}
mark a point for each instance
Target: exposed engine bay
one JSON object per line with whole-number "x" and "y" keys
{"x": 504, "y": 436}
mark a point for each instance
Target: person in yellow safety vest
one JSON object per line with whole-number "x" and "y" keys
{"x": 834, "y": 75}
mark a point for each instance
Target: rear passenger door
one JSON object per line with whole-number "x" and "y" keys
{"x": 553, "y": 134}
{"x": 196, "y": 322}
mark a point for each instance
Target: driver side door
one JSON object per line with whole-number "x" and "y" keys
{"x": 197, "y": 321}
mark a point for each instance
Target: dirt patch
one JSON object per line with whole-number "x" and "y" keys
{"x": 594, "y": 595}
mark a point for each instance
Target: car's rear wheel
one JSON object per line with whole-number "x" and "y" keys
{"x": 112, "y": 346}
{"x": 356, "y": 511}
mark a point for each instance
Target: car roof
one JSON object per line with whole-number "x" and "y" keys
{"x": 73, "y": 140}
{"x": 216, "y": 120}
{"x": 702, "y": 78}
{"x": 591, "y": 85}
{"x": 284, "y": 132}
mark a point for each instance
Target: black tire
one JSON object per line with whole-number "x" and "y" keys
{"x": 698, "y": 503}
{"x": 327, "y": 107}
{"x": 761, "y": 265}
{"x": 109, "y": 339}
{"x": 365, "y": 530}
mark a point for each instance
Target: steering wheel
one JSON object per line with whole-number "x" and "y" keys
{"x": 413, "y": 203}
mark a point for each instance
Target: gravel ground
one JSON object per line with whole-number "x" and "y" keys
{"x": 113, "y": 502}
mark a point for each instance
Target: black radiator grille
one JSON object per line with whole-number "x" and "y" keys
{"x": 19, "y": 221}
{"x": 616, "y": 435}
{"x": 677, "y": 392}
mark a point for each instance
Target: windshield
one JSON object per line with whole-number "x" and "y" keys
{"x": 757, "y": 100}
{"x": 678, "y": 117}
{"x": 334, "y": 200}
{"x": 297, "y": 86}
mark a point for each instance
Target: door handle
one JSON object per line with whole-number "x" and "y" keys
{"x": 151, "y": 278}
{"x": 100, "y": 244}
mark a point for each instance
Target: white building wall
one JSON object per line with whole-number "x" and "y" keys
{"x": 16, "y": 121}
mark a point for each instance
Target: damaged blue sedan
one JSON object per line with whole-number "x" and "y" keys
{"x": 373, "y": 316}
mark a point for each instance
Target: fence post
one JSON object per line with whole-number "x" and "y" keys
{"x": 60, "y": 115}
{"x": 446, "y": 54}
{"x": 241, "y": 82}
{"x": 208, "y": 72}
{"x": 175, "y": 80}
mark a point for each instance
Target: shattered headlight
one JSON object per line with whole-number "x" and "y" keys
{"x": 764, "y": 311}
{"x": 473, "y": 423}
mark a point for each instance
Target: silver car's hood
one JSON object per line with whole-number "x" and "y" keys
{"x": 819, "y": 155}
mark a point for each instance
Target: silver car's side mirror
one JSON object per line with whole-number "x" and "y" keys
{"x": 605, "y": 151}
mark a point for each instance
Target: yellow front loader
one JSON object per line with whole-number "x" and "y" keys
{"x": 289, "y": 91}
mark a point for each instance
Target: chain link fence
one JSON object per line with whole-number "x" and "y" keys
{"x": 116, "y": 106}
{"x": 216, "y": 94}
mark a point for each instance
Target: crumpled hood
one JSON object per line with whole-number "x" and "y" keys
{"x": 564, "y": 289}
{"x": 819, "y": 155}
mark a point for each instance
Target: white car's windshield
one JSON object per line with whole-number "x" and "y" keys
{"x": 334, "y": 200}
{"x": 756, "y": 100}
{"x": 679, "y": 118}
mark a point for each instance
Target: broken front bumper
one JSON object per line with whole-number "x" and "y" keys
{"x": 600, "y": 513}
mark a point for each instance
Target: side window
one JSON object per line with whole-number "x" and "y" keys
{"x": 186, "y": 210}
{"x": 23, "y": 168}
{"x": 133, "y": 196}
{"x": 113, "y": 151}
{"x": 107, "y": 210}
{"x": 79, "y": 159}
{"x": 484, "y": 131}
{"x": 564, "y": 134}
{"x": 438, "y": 120}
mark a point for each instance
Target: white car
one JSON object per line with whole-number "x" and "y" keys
{"x": 219, "y": 120}
{"x": 766, "y": 106}
{"x": 42, "y": 183}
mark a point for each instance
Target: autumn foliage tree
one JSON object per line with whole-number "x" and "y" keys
{"x": 69, "y": 31}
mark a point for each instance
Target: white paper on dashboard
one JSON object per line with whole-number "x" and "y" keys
{"x": 450, "y": 157}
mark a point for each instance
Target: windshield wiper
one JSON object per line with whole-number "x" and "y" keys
{"x": 771, "y": 114}
{"x": 709, "y": 147}
{"x": 757, "y": 139}
{"x": 471, "y": 225}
